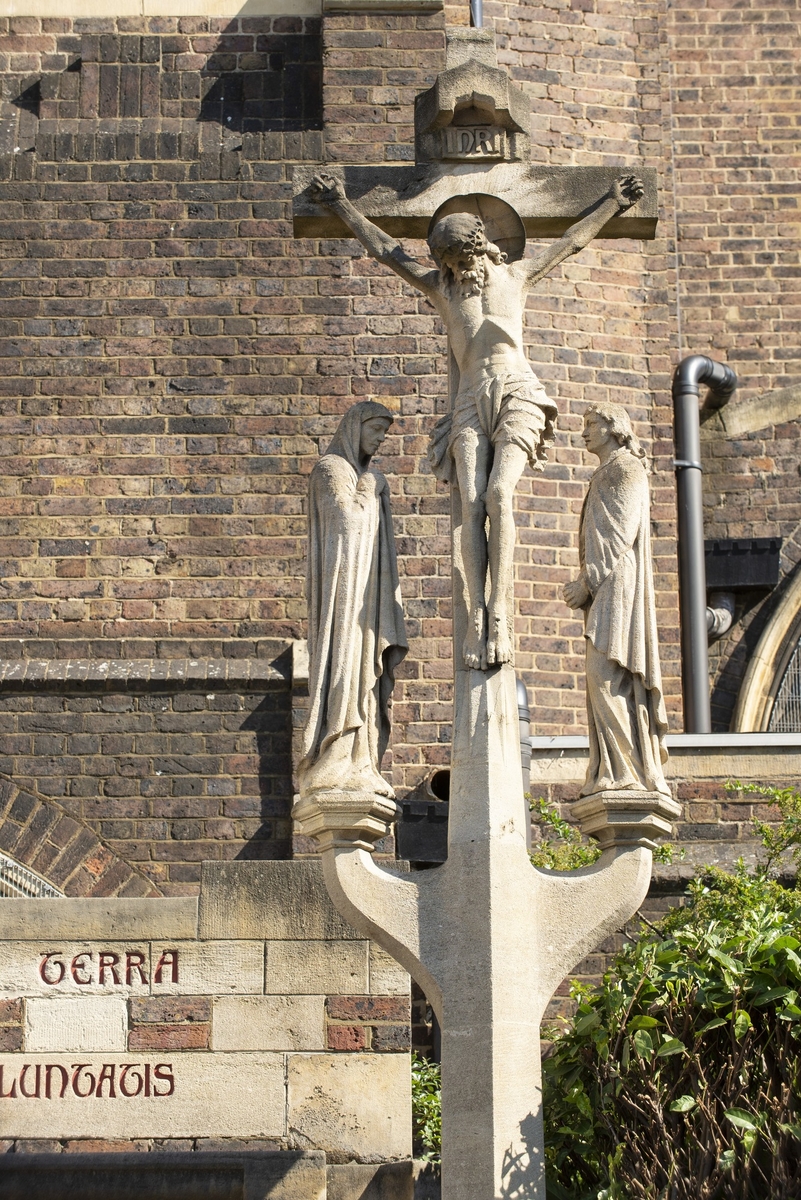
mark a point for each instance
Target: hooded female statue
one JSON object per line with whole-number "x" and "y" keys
{"x": 625, "y": 708}
{"x": 356, "y": 631}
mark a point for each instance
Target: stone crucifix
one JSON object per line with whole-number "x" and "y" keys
{"x": 487, "y": 936}
{"x": 501, "y": 417}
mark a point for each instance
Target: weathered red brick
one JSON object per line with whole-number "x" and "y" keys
{"x": 368, "y": 1008}
{"x": 169, "y": 1037}
{"x": 346, "y": 1037}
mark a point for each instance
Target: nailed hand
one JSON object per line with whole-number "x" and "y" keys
{"x": 326, "y": 189}
{"x": 627, "y": 190}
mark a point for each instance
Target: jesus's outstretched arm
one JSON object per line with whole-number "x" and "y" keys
{"x": 624, "y": 192}
{"x": 330, "y": 192}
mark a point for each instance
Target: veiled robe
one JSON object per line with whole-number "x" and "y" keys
{"x": 356, "y": 630}
{"x": 625, "y": 706}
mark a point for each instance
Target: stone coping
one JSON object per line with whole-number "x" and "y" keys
{"x": 139, "y": 674}
{"x": 165, "y": 917}
{"x": 163, "y": 8}
{"x": 686, "y": 741}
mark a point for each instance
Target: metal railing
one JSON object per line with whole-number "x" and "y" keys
{"x": 17, "y": 881}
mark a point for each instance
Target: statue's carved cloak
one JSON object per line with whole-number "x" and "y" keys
{"x": 356, "y": 630}
{"x": 625, "y": 705}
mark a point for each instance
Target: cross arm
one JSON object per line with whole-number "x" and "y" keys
{"x": 401, "y": 200}
{"x": 381, "y": 246}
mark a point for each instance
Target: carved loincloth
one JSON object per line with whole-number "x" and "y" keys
{"x": 507, "y": 409}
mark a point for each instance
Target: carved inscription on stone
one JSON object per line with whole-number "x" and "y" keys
{"x": 49, "y": 1081}
{"x": 119, "y": 1095}
{"x": 473, "y": 142}
{"x": 107, "y": 968}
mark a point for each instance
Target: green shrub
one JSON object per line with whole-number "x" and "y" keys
{"x": 562, "y": 847}
{"x": 426, "y": 1109}
{"x": 679, "y": 1077}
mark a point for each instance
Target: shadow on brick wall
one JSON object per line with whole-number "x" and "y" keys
{"x": 258, "y": 82}
{"x": 270, "y": 823}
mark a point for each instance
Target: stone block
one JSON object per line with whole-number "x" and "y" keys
{"x": 286, "y": 1175}
{"x": 351, "y": 1105}
{"x": 189, "y": 1095}
{"x": 112, "y": 919}
{"x": 125, "y": 968}
{"x": 387, "y": 977}
{"x": 370, "y": 1181}
{"x": 268, "y": 900}
{"x": 214, "y": 968}
{"x": 316, "y": 968}
{"x": 76, "y": 1023}
{"x": 79, "y": 969}
{"x": 268, "y": 1023}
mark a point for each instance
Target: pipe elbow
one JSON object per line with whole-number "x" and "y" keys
{"x": 719, "y": 614}
{"x": 697, "y": 369}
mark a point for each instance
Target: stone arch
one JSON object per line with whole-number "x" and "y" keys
{"x": 769, "y": 660}
{"x": 38, "y": 833}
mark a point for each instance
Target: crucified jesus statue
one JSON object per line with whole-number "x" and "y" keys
{"x": 501, "y": 417}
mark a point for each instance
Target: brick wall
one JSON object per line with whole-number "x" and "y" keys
{"x": 166, "y": 772}
{"x": 735, "y": 110}
{"x": 172, "y": 360}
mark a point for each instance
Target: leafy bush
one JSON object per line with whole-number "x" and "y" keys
{"x": 426, "y": 1109}
{"x": 679, "y": 1078}
{"x": 778, "y": 840}
{"x": 562, "y": 847}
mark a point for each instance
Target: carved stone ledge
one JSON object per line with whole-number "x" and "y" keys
{"x": 627, "y": 818}
{"x": 353, "y": 819}
{"x": 393, "y": 6}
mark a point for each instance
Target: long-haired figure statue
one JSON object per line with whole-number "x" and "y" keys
{"x": 625, "y": 709}
{"x": 356, "y": 630}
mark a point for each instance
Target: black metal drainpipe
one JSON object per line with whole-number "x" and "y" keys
{"x": 721, "y": 381}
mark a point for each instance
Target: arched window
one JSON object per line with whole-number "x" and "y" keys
{"x": 770, "y": 694}
{"x": 785, "y": 715}
{"x": 17, "y": 881}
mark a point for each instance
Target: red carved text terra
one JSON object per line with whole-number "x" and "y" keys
{"x": 107, "y": 968}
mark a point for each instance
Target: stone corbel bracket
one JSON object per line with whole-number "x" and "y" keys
{"x": 569, "y": 913}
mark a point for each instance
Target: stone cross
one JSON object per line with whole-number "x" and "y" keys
{"x": 486, "y": 935}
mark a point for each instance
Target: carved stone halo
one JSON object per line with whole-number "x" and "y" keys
{"x": 503, "y": 225}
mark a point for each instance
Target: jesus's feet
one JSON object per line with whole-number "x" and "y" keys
{"x": 474, "y": 650}
{"x": 499, "y": 644}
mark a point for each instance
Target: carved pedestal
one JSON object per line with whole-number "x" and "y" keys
{"x": 353, "y": 819}
{"x": 627, "y": 818}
